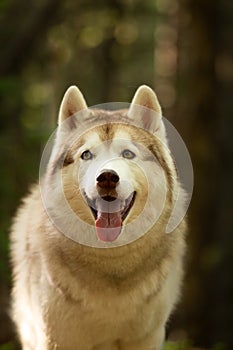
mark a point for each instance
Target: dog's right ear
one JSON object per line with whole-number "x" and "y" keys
{"x": 146, "y": 111}
{"x": 73, "y": 102}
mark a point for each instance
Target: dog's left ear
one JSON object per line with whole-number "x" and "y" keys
{"x": 73, "y": 102}
{"x": 151, "y": 114}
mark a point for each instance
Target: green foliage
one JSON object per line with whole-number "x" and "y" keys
{"x": 187, "y": 345}
{"x": 7, "y": 346}
{"x": 183, "y": 345}
{"x": 219, "y": 346}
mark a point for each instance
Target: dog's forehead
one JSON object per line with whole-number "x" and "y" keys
{"x": 122, "y": 134}
{"x": 112, "y": 132}
{"x": 98, "y": 134}
{"x": 107, "y": 132}
{"x": 92, "y": 139}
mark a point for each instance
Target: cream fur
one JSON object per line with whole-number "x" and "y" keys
{"x": 70, "y": 296}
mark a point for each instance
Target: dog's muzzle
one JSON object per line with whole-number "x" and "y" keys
{"x": 108, "y": 210}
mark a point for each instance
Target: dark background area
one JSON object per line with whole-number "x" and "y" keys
{"x": 181, "y": 48}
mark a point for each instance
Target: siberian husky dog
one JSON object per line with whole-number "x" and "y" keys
{"x": 93, "y": 266}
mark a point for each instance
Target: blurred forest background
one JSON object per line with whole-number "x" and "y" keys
{"x": 181, "y": 48}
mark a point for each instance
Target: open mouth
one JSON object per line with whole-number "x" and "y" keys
{"x": 109, "y": 214}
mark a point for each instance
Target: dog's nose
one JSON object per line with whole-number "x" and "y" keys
{"x": 107, "y": 179}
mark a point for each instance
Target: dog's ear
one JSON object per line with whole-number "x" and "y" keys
{"x": 146, "y": 97}
{"x": 145, "y": 108}
{"x": 73, "y": 102}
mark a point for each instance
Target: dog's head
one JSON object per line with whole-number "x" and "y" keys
{"x": 116, "y": 171}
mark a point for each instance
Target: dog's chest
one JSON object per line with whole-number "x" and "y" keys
{"x": 99, "y": 317}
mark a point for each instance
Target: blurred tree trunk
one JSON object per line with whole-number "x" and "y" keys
{"x": 204, "y": 110}
{"x": 222, "y": 281}
{"x": 201, "y": 32}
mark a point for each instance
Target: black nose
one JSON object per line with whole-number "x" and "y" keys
{"x": 107, "y": 178}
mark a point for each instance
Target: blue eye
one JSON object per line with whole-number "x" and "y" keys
{"x": 87, "y": 155}
{"x": 128, "y": 154}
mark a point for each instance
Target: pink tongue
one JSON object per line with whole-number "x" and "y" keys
{"x": 108, "y": 226}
